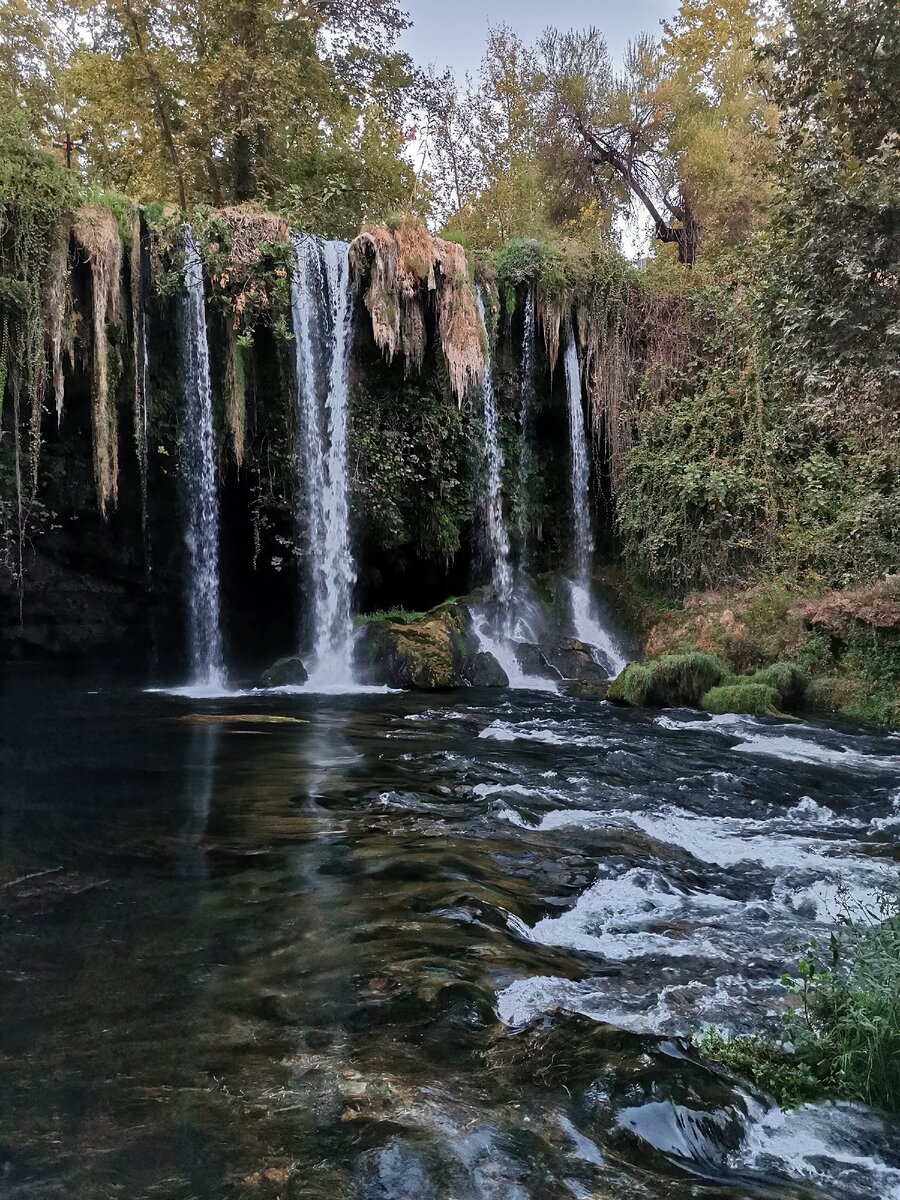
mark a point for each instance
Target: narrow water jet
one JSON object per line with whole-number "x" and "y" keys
{"x": 585, "y": 621}
{"x": 526, "y": 417}
{"x": 322, "y": 316}
{"x": 142, "y": 288}
{"x": 199, "y": 468}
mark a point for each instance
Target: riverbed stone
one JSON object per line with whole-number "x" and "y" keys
{"x": 420, "y": 654}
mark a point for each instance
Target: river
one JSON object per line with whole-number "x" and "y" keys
{"x": 402, "y": 946}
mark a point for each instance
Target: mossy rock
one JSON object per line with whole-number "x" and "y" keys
{"x": 787, "y": 679}
{"x": 744, "y": 696}
{"x": 416, "y": 654}
{"x": 672, "y": 681}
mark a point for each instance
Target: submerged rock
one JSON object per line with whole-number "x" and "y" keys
{"x": 286, "y": 672}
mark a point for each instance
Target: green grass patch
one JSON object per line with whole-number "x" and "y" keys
{"x": 755, "y": 699}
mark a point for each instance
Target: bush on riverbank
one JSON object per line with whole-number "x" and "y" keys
{"x": 669, "y": 681}
{"x": 842, "y": 1037}
{"x": 837, "y": 653}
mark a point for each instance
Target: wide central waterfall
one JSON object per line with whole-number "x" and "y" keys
{"x": 199, "y": 469}
{"x": 587, "y": 627}
{"x": 323, "y": 318}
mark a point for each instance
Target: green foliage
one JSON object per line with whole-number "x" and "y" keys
{"x": 670, "y": 681}
{"x": 790, "y": 1080}
{"x": 842, "y": 1031}
{"x": 411, "y": 455}
{"x": 742, "y": 697}
{"x": 34, "y": 193}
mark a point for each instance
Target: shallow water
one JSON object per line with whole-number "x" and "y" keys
{"x": 404, "y": 946}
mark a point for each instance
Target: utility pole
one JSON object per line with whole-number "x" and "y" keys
{"x": 69, "y": 145}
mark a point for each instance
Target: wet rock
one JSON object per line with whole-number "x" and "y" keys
{"x": 286, "y": 672}
{"x": 574, "y": 660}
{"x": 533, "y": 661}
{"x": 482, "y": 670}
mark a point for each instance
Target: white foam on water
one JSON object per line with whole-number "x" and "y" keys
{"x": 612, "y": 916}
{"x": 679, "y": 1008}
{"x": 827, "y": 1145}
{"x": 504, "y": 731}
{"x": 796, "y": 749}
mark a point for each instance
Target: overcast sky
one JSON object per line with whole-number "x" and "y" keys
{"x": 452, "y": 32}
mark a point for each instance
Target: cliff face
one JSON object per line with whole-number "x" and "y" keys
{"x": 104, "y": 554}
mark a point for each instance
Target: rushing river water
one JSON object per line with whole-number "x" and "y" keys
{"x": 406, "y": 947}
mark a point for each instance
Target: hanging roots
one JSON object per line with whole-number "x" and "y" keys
{"x": 57, "y": 302}
{"x": 406, "y": 267}
{"x": 248, "y": 229}
{"x": 97, "y": 233}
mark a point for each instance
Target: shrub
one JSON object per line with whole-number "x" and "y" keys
{"x": 843, "y": 1035}
{"x": 787, "y": 679}
{"x": 774, "y": 1069}
{"x": 744, "y": 697}
{"x": 669, "y": 681}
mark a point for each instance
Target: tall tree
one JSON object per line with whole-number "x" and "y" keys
{"x": 223, "y": 100}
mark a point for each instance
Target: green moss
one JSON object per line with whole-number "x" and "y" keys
{"x": 669, "y": 681}
{"x": 742, "y": 697}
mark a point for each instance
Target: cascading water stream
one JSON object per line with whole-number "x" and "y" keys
{"x": 499, "y": 628}
{"x": 587, "y": 627}
{"x": 322, "y": 315}
{"x": 141, "y": 388}
{"x": 199, "y": 461}
{"x": 525, "y": 424}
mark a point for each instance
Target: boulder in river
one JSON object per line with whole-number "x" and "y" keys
{"x": 420, "y": 654}
{"x": 286, "y": 672}
{"x": 481, "y": 669}
{"x": 534, "y": 662}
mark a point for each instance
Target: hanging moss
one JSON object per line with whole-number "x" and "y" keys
{"x": 405, "y": 269}
{"x": 97, "y": 233}
{"x": 34, "y": 193}
{"x": 57, "y": 306}
{"x": 235, "y": 381}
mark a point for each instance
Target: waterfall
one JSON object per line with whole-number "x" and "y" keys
{"x": 199, "y": 461}
{"x": 526, "y": 394}
{"x": 499, "y": 629}
{"x": 583, "y": 538}
{"x": 322, "y": 316}
{"x": 141, "y": 386}
{"x": 496, "y": 533}
{"x": 588, "y": 628}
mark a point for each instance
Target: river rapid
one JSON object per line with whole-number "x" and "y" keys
{"x": 405, "y": 947}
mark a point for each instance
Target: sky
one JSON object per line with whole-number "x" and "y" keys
{"x": 452, "y": 33}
